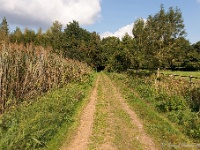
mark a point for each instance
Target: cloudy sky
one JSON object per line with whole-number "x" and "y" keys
{"x": 106, "y": 17}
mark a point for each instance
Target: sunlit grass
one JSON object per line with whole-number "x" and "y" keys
{"x": 156, "y": 124}
{"x": 112, "y": 125}
{"x": 182, "y": 73}
{"x": 43, "y": 122}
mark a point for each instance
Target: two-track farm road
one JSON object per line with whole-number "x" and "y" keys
{"x": 107, "y": 122}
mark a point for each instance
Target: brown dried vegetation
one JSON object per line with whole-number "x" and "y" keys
{"x": 28, "y": 71}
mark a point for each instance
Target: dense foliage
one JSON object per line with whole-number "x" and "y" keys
{"x": 158, "y": 41}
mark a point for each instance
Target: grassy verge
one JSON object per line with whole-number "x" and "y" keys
{"x": 113, "y": 128}
{"x": 66, "y": 134}
{"x": 43, "y": 123}
{"x": 167, "y": 135}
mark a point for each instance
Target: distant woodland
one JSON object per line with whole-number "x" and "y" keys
{"x": 158, "y": 42}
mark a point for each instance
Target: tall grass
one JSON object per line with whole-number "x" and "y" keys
{"x": 175, "y": 99}
{"x": 29, "y": 71}
{"x": 189, "y": 90}
{"x": 141, "y": 97}
{"x": 45, "y": 122}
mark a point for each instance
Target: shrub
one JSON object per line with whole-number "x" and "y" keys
{"x": 195, "y": 99}
{"x": 189, "y": 120}
{"x": 167, "y": 103}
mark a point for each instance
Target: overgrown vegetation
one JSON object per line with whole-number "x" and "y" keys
{"x": 32, "y": 125}
{"x": 174, "y": 99}
{"x": 167, "y": 117}
{"x": 26, "y": 72}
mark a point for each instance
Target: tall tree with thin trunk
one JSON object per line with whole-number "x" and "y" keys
{"x": 56, "y": 37}
{"x": 4, "y": 30}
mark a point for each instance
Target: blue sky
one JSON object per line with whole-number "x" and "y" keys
{"x": 106, "y": 17}
{"x": 118, "y": 13}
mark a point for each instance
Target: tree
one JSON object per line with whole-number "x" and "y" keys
{"x": 16, "y": 36}
{"x": 95, "y": 54}
{"x": 56, "y": 36}
{"x": 120, "y": 60}
{"x": 139, "y": 50}
{"x": 192, "y": 59}
{"x": 39, "y": 39}
{"x": 4, "y": 30}
{"x": 75, "y": 41}
{"x": 127, "y": 45}
{"x": 117, "y": 53}
{"x": 29, "y": 36}
{"x": 176, "y": 23}
{"x": 196, "y": 47}
{"x": 47, "y": 38}
{"x": 160, "y": 34}
{"x": 180, "y": 48}
{"x": 109, "y": 46}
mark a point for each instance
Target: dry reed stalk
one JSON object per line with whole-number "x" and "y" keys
{"x": 29, "y": 71}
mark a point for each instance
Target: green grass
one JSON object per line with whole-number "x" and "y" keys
{"x": 100, "y": 122}
{"x": 66, "y": 133}
{"x": 182, "y": 73}
{"x": 45, "y": 122}
{"x": 165, "y": 133}
{"x": 112, "y": 124}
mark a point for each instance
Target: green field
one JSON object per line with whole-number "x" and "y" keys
{"x": 182, "y": 73}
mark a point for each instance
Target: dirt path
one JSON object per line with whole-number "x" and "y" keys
{"x": 142, "y": 136}
{"x": 81, "y": 139}
{"x": 108, "y": 123}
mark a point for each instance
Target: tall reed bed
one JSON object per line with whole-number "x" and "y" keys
{"x": 28, "y": 71}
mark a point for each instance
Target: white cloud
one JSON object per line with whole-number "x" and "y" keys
{"x": 45, "y": 12}
{"x": 198, "y": 1}
{"x": 121, "y": 32}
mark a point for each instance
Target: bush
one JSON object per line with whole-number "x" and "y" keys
{"x": 188, "y": 119}
{"x": 167, "y": 103}
{"x": 195, "y": 99}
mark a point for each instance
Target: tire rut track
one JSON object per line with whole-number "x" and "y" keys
{"x": 107, "y": 122}
{"x": 142, "y": 136}
{"x": 81, "y": 138}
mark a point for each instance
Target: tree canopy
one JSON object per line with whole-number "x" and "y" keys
{"x": 158, "y": 41}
